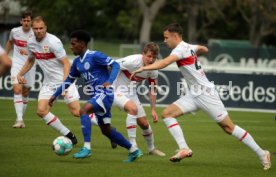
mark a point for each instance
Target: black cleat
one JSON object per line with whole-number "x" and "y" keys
{"x": 72, "y": 137}
{"x": 113, "y": 144}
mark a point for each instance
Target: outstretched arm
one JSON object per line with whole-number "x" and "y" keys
{"x": 68, "y": 81}
{"x": 115, "y": 68}
{"x": 162, "y": 63}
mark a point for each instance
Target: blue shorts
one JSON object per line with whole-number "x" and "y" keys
{"x": 102, "y": 102}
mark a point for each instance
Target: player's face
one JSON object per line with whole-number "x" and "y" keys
{"x": 26, "y": 23}
{"x": 76, "y": 46}
{"x": 169, "y": 39}
{"x": 149, "y": 58}
{"x": 39, "y": 29}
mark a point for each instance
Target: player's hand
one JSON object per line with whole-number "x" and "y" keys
{"x": 136, "y": 71}
{"x": 51, "y": 101}
{"x": 106, "y": 84}
{"x": 21, "y": 79}
{"x": 154, "y": 116}
{"x": 23, "y": 52}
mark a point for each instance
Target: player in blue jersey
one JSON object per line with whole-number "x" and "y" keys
{"x": 93, "y": 67}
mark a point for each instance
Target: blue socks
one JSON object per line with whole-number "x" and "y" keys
{"x": 118, "y": 138}
{"x": 86, "y": 127}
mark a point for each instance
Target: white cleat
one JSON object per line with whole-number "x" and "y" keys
{"x": 157, "y": 153}
{"x": 266, "y": 160}
{"x": 19, "y": 124}
{"x": 181, "y": 154}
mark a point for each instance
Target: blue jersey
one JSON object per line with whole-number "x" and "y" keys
{"x": 92, "y": 67}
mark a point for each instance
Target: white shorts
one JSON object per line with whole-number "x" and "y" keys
{"x": 209, "y": 103}
{"x": 29, "y": 76}
{"x": 120, "y": 99}
{"x": 48, "y": 90}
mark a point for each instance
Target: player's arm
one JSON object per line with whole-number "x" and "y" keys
{"x": 66, "y": 66}
{"x": 26, "y": 67}
{"x": 200, "y": 50}
{"x": 115, "y": 68}
{"x": 72, "y": 76}
{"x": 157, "y": 65}
{"x": 5, "y": 63}
{"x": 9, "y": 45}
{"x": 152, "y": 98}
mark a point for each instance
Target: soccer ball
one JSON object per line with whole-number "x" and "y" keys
{"x": 62, "y": 145}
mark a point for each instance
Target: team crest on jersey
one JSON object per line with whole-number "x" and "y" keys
{"x": 46, "y": 49}
{"x": 86, "y": 66}
{"x": 108, "y": 59}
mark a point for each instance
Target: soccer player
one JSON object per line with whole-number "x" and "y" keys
{"x": 201, "y": 95}
{"x": 93, "y": 67}
{"x": 50, "y": 55}
{"x": 126, "y": 97}
{"x": 5, "y": 62}
{"x": 18, "y": 39}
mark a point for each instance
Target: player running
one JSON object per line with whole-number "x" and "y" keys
{"x": 18, "y": 39}
{"x": 201, "y": 95}
{"x": 50, "y": 55}
{"x": 93, "y": 67}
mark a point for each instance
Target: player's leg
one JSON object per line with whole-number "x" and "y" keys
{"x": 71, "y": 98}
{"x": 169, "y": 116}
{"x": 216, "y": 110}
{"x": 126, "y": 104}
{"x": 43, "y": 111}
{"x": 242, "y": 135}
{"x": 25, "y": 97}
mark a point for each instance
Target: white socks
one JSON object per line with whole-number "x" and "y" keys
{"x": 148, "y": 135}
{"x": 25, "y": 103}
{"x": 131, "y": 124}
{"x": 18, "y": 104}
{"x": 87, "y": 145}
{"x": 55, "y": 123}
{"x": 176, "y": 132}
{"x": 247, "y": 139}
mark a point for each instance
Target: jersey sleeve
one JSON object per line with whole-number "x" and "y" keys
{"x": 128, "y": 62}
{"x": 57, "y": 49}
{"x": 102, "y": 59}
{"x": 184, "y": 52}
{"x": 74, "y": 73}
{"x": 11, "y": 35}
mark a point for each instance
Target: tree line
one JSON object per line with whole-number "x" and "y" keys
{"x": 144, "y": 20}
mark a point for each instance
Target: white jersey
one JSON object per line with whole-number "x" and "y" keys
{"x": 47, "y": 53}
{"x": 2, "y": 51}
{"x": 190, "y": 68}
{"x": 19, "y": 39}
{"x": 128, "y": 65}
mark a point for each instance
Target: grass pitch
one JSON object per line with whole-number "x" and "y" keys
{"x": 27, "y": 152}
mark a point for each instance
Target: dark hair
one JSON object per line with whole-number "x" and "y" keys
{"x": 151, "y": 46}
{"x": 26, "y": 13}
{"x": 81, "y": 35}
{"x": 174, "y": 28}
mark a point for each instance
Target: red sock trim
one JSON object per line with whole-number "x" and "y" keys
{"x": 53, "y": 120}
{"x": 173, "y": 125}
{"x": 132, "y": 126}
{"x": 244, "y": 135}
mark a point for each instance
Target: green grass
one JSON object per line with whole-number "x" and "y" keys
{"x": 27, "y": 152}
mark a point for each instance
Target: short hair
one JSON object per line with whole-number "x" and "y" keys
{"x": 151, "y": 46}
{"x": 81, "y": 35}
{"x": 39, "y": 19}
{"x": 26, "y": 14}
{"x": 174, "y": 28}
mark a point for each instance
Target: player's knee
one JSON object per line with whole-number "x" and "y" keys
{"x": 132, "y": 110}
{"x": 75, "y": 113}
{"x": 82, "y": 111}
{"x": 41, "y": 113}
{"x": 143, "y": 123}
{"x": 165, "y": 114}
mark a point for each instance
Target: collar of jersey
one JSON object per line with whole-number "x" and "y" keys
{"x": 84, "y": 56}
